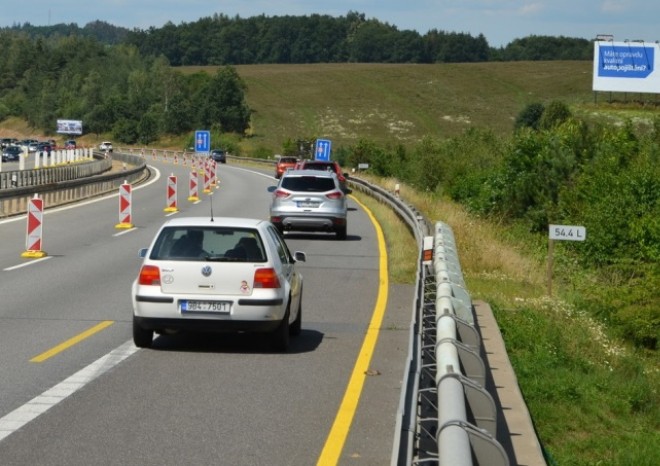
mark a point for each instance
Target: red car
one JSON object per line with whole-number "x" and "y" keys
{"x": 327, "y": 166}
{"x": 283, "y": 164}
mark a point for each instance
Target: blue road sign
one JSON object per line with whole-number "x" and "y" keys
{"x": 202, "y": 141}
{"x": 322, "y": 150}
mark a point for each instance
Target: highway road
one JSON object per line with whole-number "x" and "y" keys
{"x": 75, "y": 391}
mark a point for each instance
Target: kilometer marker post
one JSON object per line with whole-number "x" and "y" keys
{"x": 561, "y": 233}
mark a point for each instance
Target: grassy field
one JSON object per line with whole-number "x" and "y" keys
{"x": 399, "y": 103}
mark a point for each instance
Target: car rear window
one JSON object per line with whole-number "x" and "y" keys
{"x": 288, "y": 160}
{"x": 205, "y": 243}
{"x": 310, "y": 184}
{"x": 319, "y": 166}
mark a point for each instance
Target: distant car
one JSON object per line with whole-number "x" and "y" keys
{"x": 70, "y": 144}
{"x": 219, "y": 155}
{"x": 283, "y": 164}
{"x": 218, "y": 274}
{"x": 11, "y": 153}
{"x": 105, "y": 146}
{"x": 6, "y": 142}
{"x": 326, "y": 165}
{"x": 44, "y": 147}
{"x": 309, "y": 200}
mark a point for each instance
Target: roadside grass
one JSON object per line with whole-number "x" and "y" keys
{"x": 402, "y": 252}
{"x": 594, "y": 400}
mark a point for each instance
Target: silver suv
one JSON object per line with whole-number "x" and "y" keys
{"x": 309, "y": 200}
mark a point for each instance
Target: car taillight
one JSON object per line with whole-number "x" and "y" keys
{"x": 280, "y": 194}
{"x": 149, "y": 275}
{"x": 266, "y": 278}
{"x": 335, "y": 195}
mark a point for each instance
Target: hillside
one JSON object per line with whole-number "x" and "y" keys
{"x": 402, "y": 103}
{"x": 391, "y": 103}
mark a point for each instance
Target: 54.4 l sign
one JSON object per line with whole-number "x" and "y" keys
{"x": 568, "y": 232}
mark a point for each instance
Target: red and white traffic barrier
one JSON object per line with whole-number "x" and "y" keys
{"x": 35, "y": 216}
{"x": 125, "y": 200}
{"x": 214, "y": 178}
{"x": 207, "y": 178}
{"x": 193, "y": 192}
{"x": 171, "y": 195}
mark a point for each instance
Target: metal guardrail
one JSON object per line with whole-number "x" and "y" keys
{"x": 62, "y": 185}
{"x": 445, "y": 415}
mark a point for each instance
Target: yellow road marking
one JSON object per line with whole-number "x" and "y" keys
{"x": 334, "y": 444}
{"x": 72, "y": 341}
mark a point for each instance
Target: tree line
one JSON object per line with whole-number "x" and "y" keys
{"x": 223, "y": 40}
{"x": 125, "y": 82}
{"x": 113, "y": 89}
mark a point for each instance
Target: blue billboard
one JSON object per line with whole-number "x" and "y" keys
{"x": 625, "y": 66}
{"x": 627, "y": 61}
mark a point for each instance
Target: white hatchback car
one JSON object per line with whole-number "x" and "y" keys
{"x": 218, "y": 274}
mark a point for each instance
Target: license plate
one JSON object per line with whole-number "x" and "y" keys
{"x": 308, "y": 204}
{"x": 220, "y": 307}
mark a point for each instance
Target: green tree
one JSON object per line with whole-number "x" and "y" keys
{"x": 222, "y": 102}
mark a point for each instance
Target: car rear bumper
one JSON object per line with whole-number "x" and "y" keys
{"x": 245, "y": 312}
{"x": 206, "y": 325}
{"x": 308, "y": 223}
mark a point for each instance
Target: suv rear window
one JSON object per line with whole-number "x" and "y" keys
{"x": 310, "y": 184}
{"x": 329, "y": 166}
{"x": 288, "y": 160}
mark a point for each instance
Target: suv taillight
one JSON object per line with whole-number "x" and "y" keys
{"x": 281, "y": 194}
{"x": 149, "y": 275}
{"x": 266, "y": 278}
{"x": 335, "y": 195}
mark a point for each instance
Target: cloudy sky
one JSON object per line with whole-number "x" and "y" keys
{"x": 500, "y": 21}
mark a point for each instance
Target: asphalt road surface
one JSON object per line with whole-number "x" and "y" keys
{"x": 75, "y": 391}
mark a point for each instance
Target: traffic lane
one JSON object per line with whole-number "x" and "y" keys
{"x": 84, "y": 280}
{"x": 250, "y": 406}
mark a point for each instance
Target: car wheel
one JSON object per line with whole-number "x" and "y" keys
{"x": 280, "y": 337}
{"x": 296, "y": 326}
{"x": 142, "y": 337}
{"x": 341, "y": 232}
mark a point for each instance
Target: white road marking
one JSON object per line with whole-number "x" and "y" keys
{"x": 16, "y": 419}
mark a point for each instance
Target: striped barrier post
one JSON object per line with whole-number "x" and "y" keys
{"x": 35, "y": 217}
{"x": 125, "y": 200}
{"x": 214, "y": 177}
{"x": 193, "y": 195}
{"x": 171, "y": 194}
{"x": 207, "y": 178}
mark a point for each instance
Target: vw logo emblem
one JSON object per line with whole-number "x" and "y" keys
{"x": 206, "y": 270}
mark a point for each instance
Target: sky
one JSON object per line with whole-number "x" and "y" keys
{"x": 500, "y": 21}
